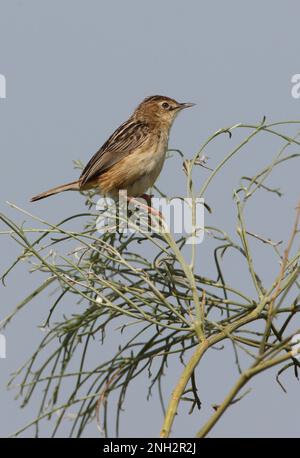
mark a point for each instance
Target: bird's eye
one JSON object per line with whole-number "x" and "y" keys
{"x": 165, "y": 105}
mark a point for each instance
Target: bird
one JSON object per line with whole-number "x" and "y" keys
{"x": 133, "y": 156}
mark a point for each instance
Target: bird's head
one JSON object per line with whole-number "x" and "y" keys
{"x": 160, "y": 109}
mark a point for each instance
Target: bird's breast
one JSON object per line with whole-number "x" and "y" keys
{"x": 154, "y": 158}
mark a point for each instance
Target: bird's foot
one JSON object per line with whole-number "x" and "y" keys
{"x": 148, "y": 207}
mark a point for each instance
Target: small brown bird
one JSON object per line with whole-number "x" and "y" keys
{"x": 132, "y": 158}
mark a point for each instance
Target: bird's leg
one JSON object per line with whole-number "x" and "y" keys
{"x": 149, "y": 208}
{"x": 147, "y": 197}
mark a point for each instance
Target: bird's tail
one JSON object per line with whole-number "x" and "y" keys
{"x": 74, "y": 186}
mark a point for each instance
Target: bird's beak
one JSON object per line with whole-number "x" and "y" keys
{"x": 186, "y": 105}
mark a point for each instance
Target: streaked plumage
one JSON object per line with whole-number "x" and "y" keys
{"x": 133, "y": 156}
{"x": 124, "y": 141}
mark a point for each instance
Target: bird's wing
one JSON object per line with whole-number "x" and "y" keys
{"x": 129, "y": 136}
